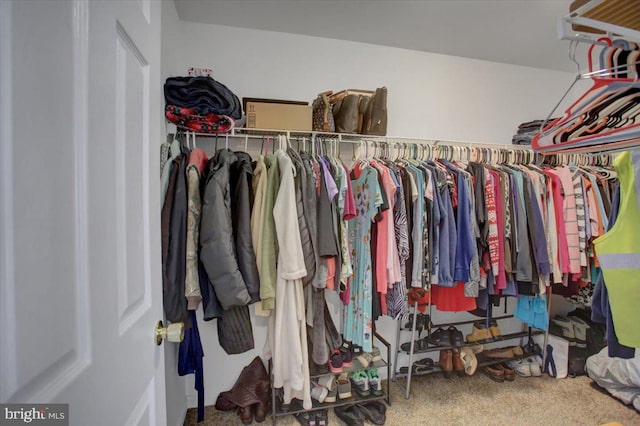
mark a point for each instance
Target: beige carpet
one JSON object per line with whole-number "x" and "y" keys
{"x": 479, "y": 401}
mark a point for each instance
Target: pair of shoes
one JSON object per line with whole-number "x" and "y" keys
{"x": 343, "y": 386}
{"x": 494, "y": 373}
{"x": 574, "y": 329}
{"x": 367, "y": 358}
{"x": 449, "y": 337}
{"x": 423, "y": 322}
{"x": 509, "y": 374}
{"x": 255, "y": 411}
{"x": 367, "y": 382}
{"x": 527, "y": 367}
{"x": 324, "y": 389}
{"x": 450, "y": 359}
{"x": 508, "y": 352}
{"x": 313, "y": 418}
{"x": 482, "y": 334}
{"x": 500, "y": 373}
{"x": 420, "y": 367}
{"x": 418, "y": 346}
{"x": 374, "y": 412}
{"x": 356, "y": 414}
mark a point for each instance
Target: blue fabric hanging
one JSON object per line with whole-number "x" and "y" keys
{"x": 190, "y": 360}
{"x": 532, "y": 310}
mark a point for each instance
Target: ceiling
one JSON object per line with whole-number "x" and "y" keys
{"x": 520, "y": 32}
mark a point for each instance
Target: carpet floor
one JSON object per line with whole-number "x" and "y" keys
{"x": 479, "y": 401}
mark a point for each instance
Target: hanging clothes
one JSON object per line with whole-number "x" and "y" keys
{"x": 287, "y": 327}
{"x": 358, "y": 321}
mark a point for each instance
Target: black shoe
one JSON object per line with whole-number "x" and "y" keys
{"x": 306, "y": 418}
{"x": 322, "y": 418}
{"x": 409, "y": 323}
{"x": 440, "y": 337}
{"x": 374, "y": 412}
{"x": 350, "y": 414}
{"x": 455, "y": 337}
{"x": 423, "y": 323}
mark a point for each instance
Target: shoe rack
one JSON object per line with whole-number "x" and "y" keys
{"x": 414, "y": 353}
{"x": 278, "y": 409}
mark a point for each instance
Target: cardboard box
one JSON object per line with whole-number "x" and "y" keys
{"x": 277, "y": 114}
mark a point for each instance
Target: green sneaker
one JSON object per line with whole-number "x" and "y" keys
{"x": 375, "y": 382}
{"x": 360, "y": 380}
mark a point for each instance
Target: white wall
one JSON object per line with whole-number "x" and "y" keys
{"x": 430, "y": 96}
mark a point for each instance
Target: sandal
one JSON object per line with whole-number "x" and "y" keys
{"x": 420, "y": 345}
{"x": 306, "y": 418}
{"x": 322, "y": 418}
{"x": 419, "y": 370}
{"x": 424, "y": 362}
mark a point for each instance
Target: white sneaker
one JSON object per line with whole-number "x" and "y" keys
{"x": 327, "y": 381}
{"x": 534, "y": 365}
{"x": 319, "y": 393}
{"x": 521, "y": 367}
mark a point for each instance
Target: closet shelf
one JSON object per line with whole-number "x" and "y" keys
{"x": 482, "y": 362}
{"x": 355, "y": 367}
{"x": 502, "y": 338}
{"x": 296, "y": 406}
{"x": 460, "y": 322}
{"x": 590, "y": 19}
{"x": 355, "y": 398}
{"x": 350, "y": 138}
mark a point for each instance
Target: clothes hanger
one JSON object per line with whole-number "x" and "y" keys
{"x": 602, "y": 99}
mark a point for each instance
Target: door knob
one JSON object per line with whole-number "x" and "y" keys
{"x": 172, "y": 333}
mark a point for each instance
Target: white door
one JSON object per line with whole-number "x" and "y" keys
{"x": 80, "y": 114}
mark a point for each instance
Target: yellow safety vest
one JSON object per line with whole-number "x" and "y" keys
{"x": 619, "y": 253}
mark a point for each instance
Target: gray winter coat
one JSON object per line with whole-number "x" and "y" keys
{"x": 218, "y": 252}
{"x": 241, "y": 174}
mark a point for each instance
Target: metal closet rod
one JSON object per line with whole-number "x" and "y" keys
{"x": 350, "y": 138}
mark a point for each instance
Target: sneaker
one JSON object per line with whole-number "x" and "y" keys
{"x": 332, "y": 395}
{"x": 534, "y": 365}
{"x": 327, "y": 381}
{"x": 344, "y": 386}
{"x": 365, "y": 358}
{"x": 319, "y": 393}
{"x": 335, "y": 362}
{"x": 375, "y": 382}
{"x": 568, "y": 331}
{"x": 347, "y": 356}
{"x": 521, "y": 367}
{"x": 375, "y": 354}
{"x": 360, "y": 381}
{"x": 580, "y": 328}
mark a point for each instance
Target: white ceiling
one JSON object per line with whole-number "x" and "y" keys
{"x": 521, "y": 32}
